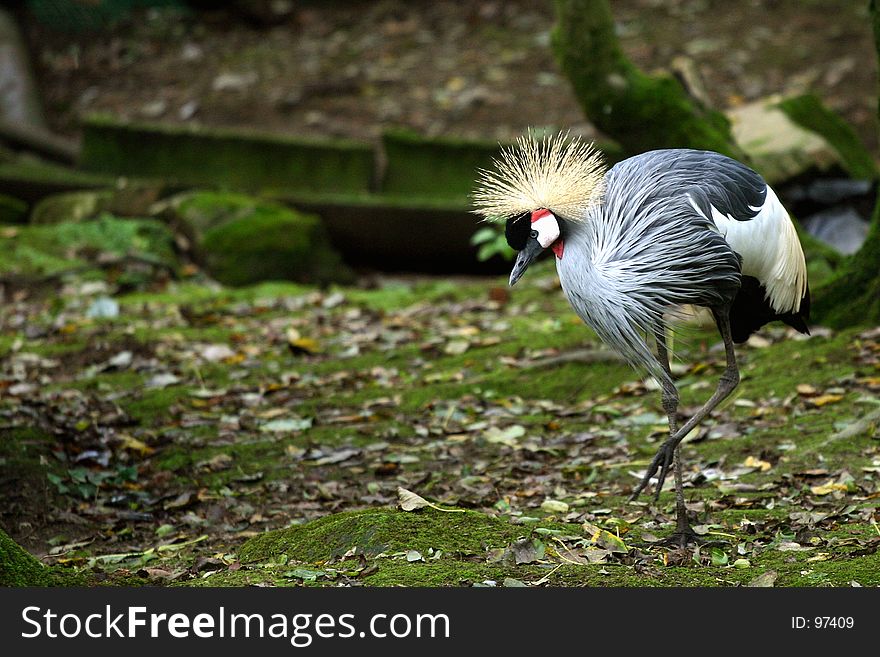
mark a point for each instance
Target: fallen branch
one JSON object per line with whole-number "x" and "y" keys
{"x": 578, "y": 356}
{"x": 856, "y": 428}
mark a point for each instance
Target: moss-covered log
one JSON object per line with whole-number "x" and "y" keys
{"x": 809, "y": 113}
{"x": 641, "y": 112}
{"x": 242, "y": 240}
{"x": 225, "y": 158}
{"x": 852, "y": 296}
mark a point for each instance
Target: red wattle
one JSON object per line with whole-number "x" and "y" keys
{"x": 558, "y": 247}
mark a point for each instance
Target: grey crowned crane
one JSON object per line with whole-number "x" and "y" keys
{"x": 635, "y": 243}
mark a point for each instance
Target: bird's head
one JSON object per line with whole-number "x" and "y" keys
{"x": 530, "y": 234}
{"x": 539, "y": 186}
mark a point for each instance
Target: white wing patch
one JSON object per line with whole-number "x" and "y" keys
{"x": 770, "y": 251}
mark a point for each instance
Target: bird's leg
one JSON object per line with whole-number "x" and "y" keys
{"x": 670, "y": 399}
{"x": 729, "y": 380}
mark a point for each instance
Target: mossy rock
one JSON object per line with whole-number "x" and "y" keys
{"x": 228, "y": 158}
{"x": 242, "y": 240}
{"x": 375, "y": 531}
{"x": 131, "y": 199}
{"x": 71, "y": 206}
{"x": 18, "y": 568}
{"x": 12, "y": 210}
{"x": 53, "y": 248}
{"x": 777, "y": 147}
{"x": 196, "y": 212}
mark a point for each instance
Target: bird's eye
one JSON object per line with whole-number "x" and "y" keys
{"x": 534, "y": 234}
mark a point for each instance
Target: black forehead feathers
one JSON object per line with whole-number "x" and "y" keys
{"x": 517, "y": 231}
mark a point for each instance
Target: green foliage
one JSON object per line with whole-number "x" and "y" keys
{"x": 492, "y": 242}
{"x": 88, "y": 16}
{"x": 85, "y": 482}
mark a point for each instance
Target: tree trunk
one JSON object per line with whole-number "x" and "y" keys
{"x": 639, "y": 111}
{"x": 852, "y": 296}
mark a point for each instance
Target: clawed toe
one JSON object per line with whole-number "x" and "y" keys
{"x": 662, "y": 461}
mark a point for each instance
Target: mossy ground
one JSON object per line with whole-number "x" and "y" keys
{"x": 17, "y": 567}
{"x": 404, "y": 385}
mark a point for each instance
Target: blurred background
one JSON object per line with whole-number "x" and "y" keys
{"x": 361, "y": 111}
{"x": 479, "y": 68}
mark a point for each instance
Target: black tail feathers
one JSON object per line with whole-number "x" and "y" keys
{"x": 751, "y": 310}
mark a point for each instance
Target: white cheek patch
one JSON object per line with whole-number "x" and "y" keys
{"x": 547, "y": 227}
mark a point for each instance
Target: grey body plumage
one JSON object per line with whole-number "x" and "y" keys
{"x": 658, "y": 231}
{"x": 645, "y": 251}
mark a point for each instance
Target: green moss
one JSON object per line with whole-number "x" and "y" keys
{"x": 201, "y": 210}
{"x": 276, "y": 245}
{"x": 852, "y": 296}
{"x": 376, "y": 531}
{"x": 31, "y": 181}
{"x": 18, "y": 568}
{"x": 430, "y": 170}
{"x": 382, "y": 536}
{"x": 48, "y": 249}
{"x": 151, "y": 406}
{"x": 641, "y": 112}
{"x": 809, "y": 112}
{"x": 225, "y": 158}
{"x": 422, "y": 166}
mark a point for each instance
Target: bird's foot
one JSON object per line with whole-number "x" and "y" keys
{"x": 681, "y": 538}
{"x": 662, "y": 461}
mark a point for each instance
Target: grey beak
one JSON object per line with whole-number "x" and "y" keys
{"x": 524, "y": 259}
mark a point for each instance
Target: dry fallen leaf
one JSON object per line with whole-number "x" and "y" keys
{"x": 604, "y": 539}
{"x": 409, "y": 501}
{"x": 554, "y": 506}
{"x": 826, "y": 489}
{"x": 823, "y": 400}
{"x": 752, "y": 462}
{"x": 765, "y": 579}
{"x": 132, "y": 444}
{"x": 300, "y": 345}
